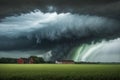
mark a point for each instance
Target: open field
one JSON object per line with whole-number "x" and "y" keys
{"x": 59, "y": 72}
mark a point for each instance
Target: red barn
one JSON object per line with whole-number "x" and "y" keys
{"x": 20, "y": 61}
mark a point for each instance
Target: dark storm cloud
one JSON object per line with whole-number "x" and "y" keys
{"x": 18, "y": 32}
{"x": 58, "y": 26}
{"x": 34, "y": 28}
{"x": 15, "y": 43}
{"x": 109, "y": 8}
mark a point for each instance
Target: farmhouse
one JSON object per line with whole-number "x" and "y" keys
{"x": 64, "y": 62}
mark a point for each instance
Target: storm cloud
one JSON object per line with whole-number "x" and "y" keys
{"x": 106, "y": 8}
{"x": 56, "y": 27}
{"x": 52, "y": 26}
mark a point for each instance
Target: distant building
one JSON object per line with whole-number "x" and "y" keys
{"x": 64, "y": 62}
{"x": 20, "y": 61}
{"x": 25, "y": 61}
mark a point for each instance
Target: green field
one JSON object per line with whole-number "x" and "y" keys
{"x": 59, "y": 72}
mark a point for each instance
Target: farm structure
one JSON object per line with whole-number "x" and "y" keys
{"x": 64, "y": 62}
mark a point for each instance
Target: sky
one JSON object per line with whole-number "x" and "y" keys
{"x": 81, "y": 30}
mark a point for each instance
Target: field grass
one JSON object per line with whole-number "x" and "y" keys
{"x": 59, "y": 72}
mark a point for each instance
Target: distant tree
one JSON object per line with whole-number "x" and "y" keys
{"x": 31, "y": 61}
{"x": 41, "y": 60}
{"x": 8, "y": 60}
{"x": 37, "y": 59}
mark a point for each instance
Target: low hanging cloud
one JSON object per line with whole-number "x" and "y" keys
{"x": 53, "y": 26}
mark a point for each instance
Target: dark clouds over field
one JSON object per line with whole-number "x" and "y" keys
{"x": 57, "y": 25}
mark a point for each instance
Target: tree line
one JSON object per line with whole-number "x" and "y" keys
{"x": 26, "y": 60}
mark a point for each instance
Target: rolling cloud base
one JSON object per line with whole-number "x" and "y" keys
{"x": 60, "y": 36}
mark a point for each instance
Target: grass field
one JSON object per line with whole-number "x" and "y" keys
{"x": 59, "y": 72}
